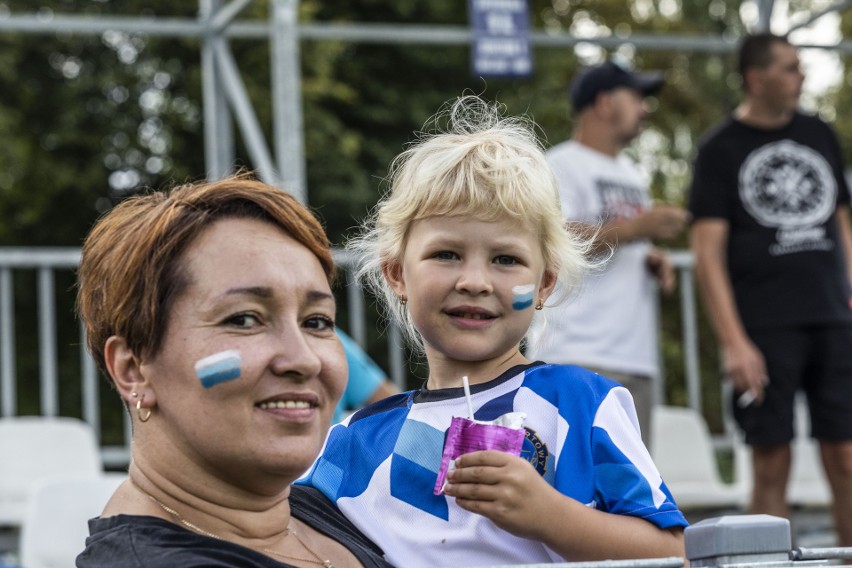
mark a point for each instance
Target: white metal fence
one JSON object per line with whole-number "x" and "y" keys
{"x": 46, "y": 264}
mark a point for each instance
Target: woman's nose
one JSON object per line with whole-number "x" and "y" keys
{"x": 294, "y": 356}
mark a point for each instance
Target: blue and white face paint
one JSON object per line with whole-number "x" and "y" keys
{"x": 522, "y": 296}
{"x": 218, "y": 368}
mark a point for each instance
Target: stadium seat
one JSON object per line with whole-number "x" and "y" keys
{"x": 682, "y": 448}
{"x": 55, "y": 524}
{"x": 35, "y": 447}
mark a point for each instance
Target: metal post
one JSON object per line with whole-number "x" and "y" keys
{"x": 829, "y": 553}
{"x": 287, "y": 97}
{"x": 396, "y": 350}
{"x": 128, "y": 432}
{"x": 658, "y": 391}
{"x": 764, "y": 14}
{"x": 689, "y": 319}
{"x": 8, "y": 394}
{"x": 668, "y": 562}
{"x": 226, "y": 14}
{"x": 91, "y": 393}
{"x": 47, "y": 342}
{"x": 218, "y": 131}
{"x": 357, "y": 315}
{"x": 237, "y": 95}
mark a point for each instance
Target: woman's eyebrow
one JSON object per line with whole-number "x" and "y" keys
{"x": 267, "y": 292}
{"x": 320, "y": 296}
{"x": 259, "y": 291}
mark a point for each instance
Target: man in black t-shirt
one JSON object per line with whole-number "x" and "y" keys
{"x": 772, "y": 243}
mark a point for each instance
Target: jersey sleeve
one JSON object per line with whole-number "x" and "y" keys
{"x": 627, "y": 481}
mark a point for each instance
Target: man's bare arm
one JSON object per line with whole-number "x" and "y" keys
{"x": 658, "y": 222}
{"x": 743, "y": 362}
{"x": 845, "y": 229}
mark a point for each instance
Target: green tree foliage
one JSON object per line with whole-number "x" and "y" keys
{"x": 90, "y": 119}
{"x": 839, "y": 100}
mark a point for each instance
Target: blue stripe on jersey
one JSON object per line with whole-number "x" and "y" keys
{"x": 401, "y": 400}
{"x": 497, "y": 407}
{"x": 419, "y": 443}
{"x": 577, "y": 405}
{"x": 413, "y": 484}
{"x": 326, "y": 476}
{"x": 623, "y": 489}
{"x": 621, "y": 492}
{"x": 414, "y": 468}
{"x": 352, "y": 454}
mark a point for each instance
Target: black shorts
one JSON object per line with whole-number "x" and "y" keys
{"x": 814, "y": 359}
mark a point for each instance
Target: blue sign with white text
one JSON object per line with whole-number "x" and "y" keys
{"x": 501, "y": 43}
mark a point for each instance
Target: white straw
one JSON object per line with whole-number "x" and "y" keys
{"x": 466, "y": 385}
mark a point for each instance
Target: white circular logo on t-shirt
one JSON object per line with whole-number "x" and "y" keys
{"x": 785, "y": 184}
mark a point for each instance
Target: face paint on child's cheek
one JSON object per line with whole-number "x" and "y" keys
{"x": 522, "y": 296}
{"x": 218, "y": 368}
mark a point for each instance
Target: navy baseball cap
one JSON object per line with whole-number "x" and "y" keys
{"x": 609, "y": 76}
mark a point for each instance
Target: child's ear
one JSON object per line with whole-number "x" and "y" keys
{"x": 392, "y": 272}
{"x": 125, "y": 370}
{"x": 548, "y": 283}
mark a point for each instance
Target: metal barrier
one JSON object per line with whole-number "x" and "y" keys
{"x": 673, "y": 562}
{"x": 751, "y": 540}
{"x": 47, "y": 262}
{"x": 739, "y": 541}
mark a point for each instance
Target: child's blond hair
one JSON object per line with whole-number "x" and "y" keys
{"x": 479, "y": 164}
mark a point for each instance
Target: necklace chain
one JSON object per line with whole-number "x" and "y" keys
{"x": 317, "y": 559}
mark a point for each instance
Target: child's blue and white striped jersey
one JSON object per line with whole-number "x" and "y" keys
{"x": 582, "y": 436}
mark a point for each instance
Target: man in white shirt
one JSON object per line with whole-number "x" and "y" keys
{"x": 611, "y": 325}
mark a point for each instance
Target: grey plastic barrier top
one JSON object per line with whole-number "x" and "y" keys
{"x": 751, "y": 540}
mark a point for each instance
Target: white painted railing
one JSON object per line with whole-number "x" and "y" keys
{"x": 48, "y": 262}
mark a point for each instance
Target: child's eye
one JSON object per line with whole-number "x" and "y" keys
{"x": 446, "y": 255}
{"x": 319, "y": 323}
{"x": 505, "y": 260}
{"x": 243, "y": 321}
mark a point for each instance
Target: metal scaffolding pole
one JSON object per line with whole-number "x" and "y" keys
{"x": 8, "y": 390}
{"x": 250, "y": 128}
{"x": 218, "y": 131}
{"x": 288, "y": 126}
{"x": 764, "y": 14}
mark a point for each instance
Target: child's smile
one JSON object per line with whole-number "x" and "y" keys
{"x": 471, "y": 316}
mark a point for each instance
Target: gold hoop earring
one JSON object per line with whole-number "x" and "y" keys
{"x": 403, "y": 299}
{"x": 540, "y": 305}
{"x": 147, "y": 417}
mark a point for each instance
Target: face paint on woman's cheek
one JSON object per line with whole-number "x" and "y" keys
{"x": 218, "y": 368}
{"x": 522, "y": 296}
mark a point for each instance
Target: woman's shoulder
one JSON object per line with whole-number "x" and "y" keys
{"x": 311, "y": 506}
{"x": 131, "y": 541}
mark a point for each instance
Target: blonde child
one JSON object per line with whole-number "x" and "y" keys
{"x": 463, "y": 250}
